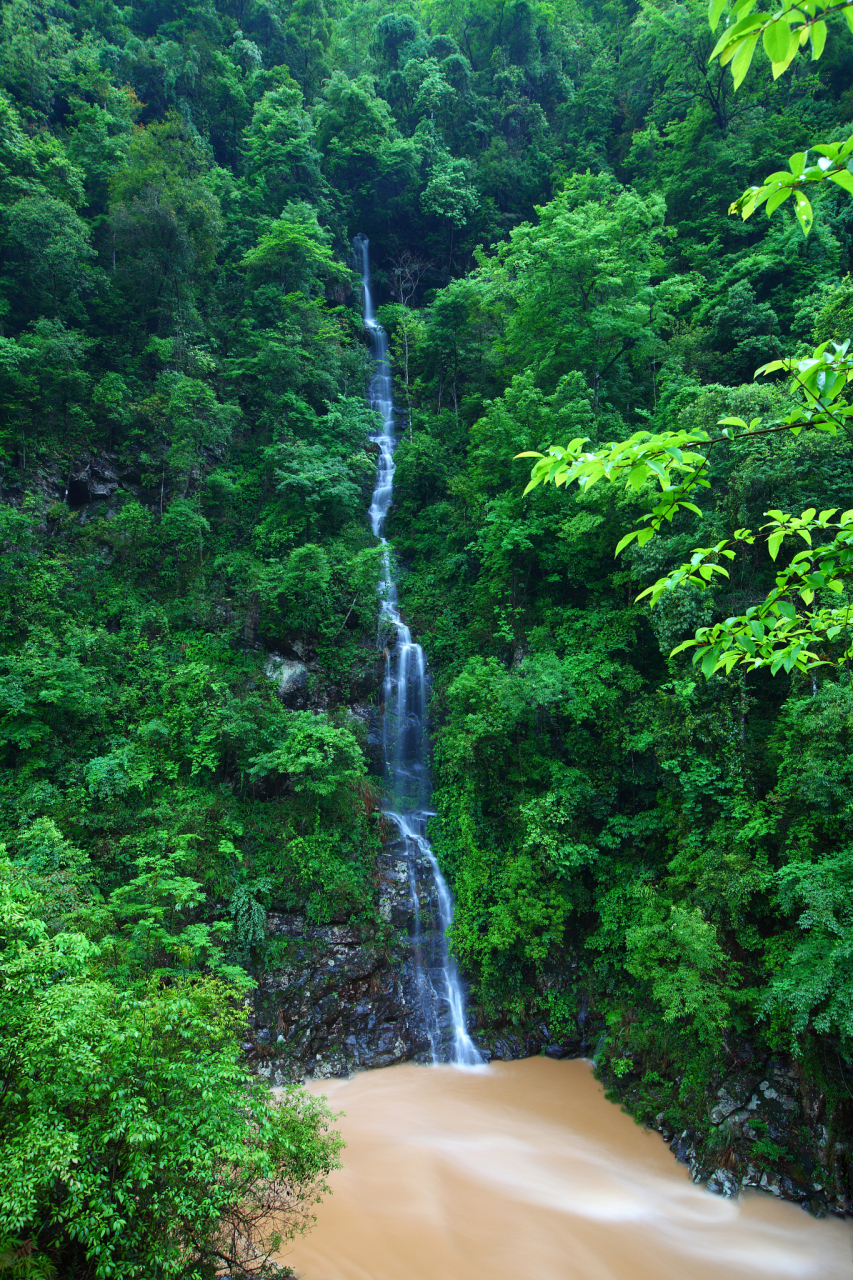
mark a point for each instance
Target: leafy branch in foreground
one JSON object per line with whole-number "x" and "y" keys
{"x": 662, "y": 457}
{"x": 795, "y": 26}
{"x": 779, "y": 186}
{"x": 783, "y": 631}
{"x": 772, "y": 633}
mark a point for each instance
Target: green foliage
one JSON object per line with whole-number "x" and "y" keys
{"x": 680, "y": 955}
{"x": 315, "y": 757}
{"x": 189, "y": 590}
{"x": 132, "y": 1140}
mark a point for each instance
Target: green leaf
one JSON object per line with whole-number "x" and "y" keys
{"x": 715, "y": 9}
{"x": 729, "y": 40}
{"x": 709, "y": 662}
{"x": 804, "y": 212}
{"x": 778, "y": 197}
{"x": 777, "y": 38}
{"x": 624, "y": 542}
{"x": 637, "y": 475}
{"x": 774, "y": 542}
{"x": 818, "y": 34}
{"x": 779, "y": 68}
{"x": 797, "y": 163}
{"x": 843, "y": 179}
{"x": 743, "y": 58}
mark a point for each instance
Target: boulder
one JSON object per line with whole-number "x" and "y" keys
{"x": 290, "y": 678}
{"x": 723, "y": 1183}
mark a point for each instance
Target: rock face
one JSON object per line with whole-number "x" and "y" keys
{"x": 341, "y": 1005}
{"x": 93, "y": 479}
{"x": 99, "y": 476}
{"x": 346, "y": 997}
{"x": 757, "y": 1103}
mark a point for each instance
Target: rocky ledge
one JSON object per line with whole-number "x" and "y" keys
{"x": 766, "y": 1128}
{"x": 345, "y": 997}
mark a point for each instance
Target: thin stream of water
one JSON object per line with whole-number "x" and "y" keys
{"x": 405, "y": 746}
{"x": 524, "y": 1171}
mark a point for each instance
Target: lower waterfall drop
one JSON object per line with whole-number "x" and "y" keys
{"x": 404, "y": 740}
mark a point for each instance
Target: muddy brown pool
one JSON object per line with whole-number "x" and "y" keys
{"x": 524, "y": 1170}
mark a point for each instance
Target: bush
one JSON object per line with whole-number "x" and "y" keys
{"x": 133, "y": 1142}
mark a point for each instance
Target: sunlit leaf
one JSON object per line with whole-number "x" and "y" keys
{"x": 626, "y": 541}
{"x": 803, "y": 210}
{"x": 818, "y": 34}
{"x": 715, "y": 9}
{"x": 779, "y": 197}
{"x": 743, "y": 58}
{"x": 776, "y": 38}
{"x": 843, "y": 179}
{"x": 774, "y": 542}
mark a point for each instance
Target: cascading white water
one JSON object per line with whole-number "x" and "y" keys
{"x": 404, "y": 738}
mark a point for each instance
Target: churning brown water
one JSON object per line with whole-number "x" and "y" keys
{"x": 523, "y": 1171}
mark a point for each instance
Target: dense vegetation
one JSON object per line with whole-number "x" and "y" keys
{"x": 186, "y": 469}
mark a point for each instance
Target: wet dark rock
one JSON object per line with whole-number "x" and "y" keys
{"x": 368, "y": 678}
{"x": 292, "y": 681}
{"x": 344, "y": 997}
{"x": 339, "y": 1005}
{"x": 101, "y": 475}
{"x": 723, "y": 1182}
{"x": 87, "y": 485}
{"x": 556, "y": 1051}
{"x": 682, "y": 1147}
{"x": 505, "y": 1048}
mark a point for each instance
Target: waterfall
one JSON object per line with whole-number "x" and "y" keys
{"x": 405, "y": 749}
